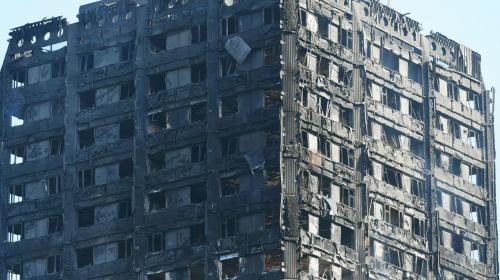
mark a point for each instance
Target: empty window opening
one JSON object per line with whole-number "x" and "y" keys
{"x": 325, "y": 228}
{"x": 87, "y": 99}
{"x": 324, "y": 67}
{"x": 156, "y": 161}
{"x": 390, "y": 60}
{"x": 229, "y": 25}
{"x": 420, "y": 266}
{"x": 346, "y": 38}
{"x": 57, "y": 146}
{"x": 228, "y": 66}
{"x": 229, "y": 227}
{"x": 54, "y": 264}
{"x": 85, "y": 257}
{"x": 86, "y": 137}
{"x": 126, "y": 168}
{"x": 416, "y": 110}
{"x": 345, "y": 76}
{"x": 346, "y": 116}
{"x": 198, "y": 193}
{"x": 418, "y": 227}
{"x": 271, "y": 15}
{"x": 417, "y": 147}
{"x": 158, "y": 43}
{"x": 347, "y": 156}
{"x": 417, "y": 188}
{"x": 157, "y": 201}
{"x": 86, "y": 178}
{"x": 393, "y": 256}
{"x": 415, "y": 72}
{"x": 198, "y": 33}
{"x": 127, "y": 52}
{"x": 86, "y": 217}
{"x": 197, "y": 234}
{"x": 86, "y": 62}
{"x": 271, "y": 56}
{"x": 229, "y": 105}
{"x": 230, "y": 186}
{"x": 347, "y": 237}
{"x": 229, "y": 145}
{"x": 453, "y": 91}
{"x": 156, "y": 242}
{"x": 347, "y": 196}
{"x": 58, "y": 69}
{"x": 477, "y": 214}
{"x": 391, "y": 99}
{"x": 392, "y": 177}
{"x": 199, "y": 72}
{"x": 198, "y": 153}
{"x": 198, "y": 112}
{"x": 391, "y": 137}
{"x": 476, "y": 176}
{"x": 393, "y": 216}
{"x": 127, "y": 90}
{"x": 157, "y": 83}
{"x": 457, "y": 243}
{"x": 474, "y": 101}
{"x": 17, "y": 154}
{"x": 325, "y": 147}
{"x": 271, "y": 97}
{"x": 127, "y": 129}
{"x": 55, "y": 224}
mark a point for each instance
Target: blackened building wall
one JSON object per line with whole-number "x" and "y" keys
{"x": 244, "y": 139}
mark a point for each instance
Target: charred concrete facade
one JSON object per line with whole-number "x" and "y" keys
{"x": 245, "y": 139}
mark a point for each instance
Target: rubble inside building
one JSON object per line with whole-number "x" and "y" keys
{"x": 244, "y": 139}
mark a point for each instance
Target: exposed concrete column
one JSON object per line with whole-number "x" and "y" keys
{"x": 290, "y": 212}
{"x": 429, "y": 156}
{"x": 71, "y": 108}
{"x": 140, "y": 164}
{"x": 212, "y": 219}
{"x": 360, "y": 157}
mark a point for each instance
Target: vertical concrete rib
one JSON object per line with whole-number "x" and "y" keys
{"x": 212, "y": 220}
{"x": 140, "y": 162}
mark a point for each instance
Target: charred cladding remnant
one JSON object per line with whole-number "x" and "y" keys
{"x": 245, "y": 139}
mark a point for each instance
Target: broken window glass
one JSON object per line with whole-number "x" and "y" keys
{"x": 157, "y": 83}
{"x": 15, "y": 232}
{"x": 347, "y": 156}
{"x": 347, "y": 237}
{"x": 229, "y": 105}
{"x": 392, "y": 177}
{"x": 345, "y": 76}
{"x": 228, "y": 66}
{"x": 390, "y": 60}
{"x": 346, "y": 38}
{"x": 230, "y": 268}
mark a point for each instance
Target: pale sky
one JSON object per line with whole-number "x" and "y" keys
{"x": 474, "y": 23}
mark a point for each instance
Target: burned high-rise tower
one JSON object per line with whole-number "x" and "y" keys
{"x": 244, "y": 139}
